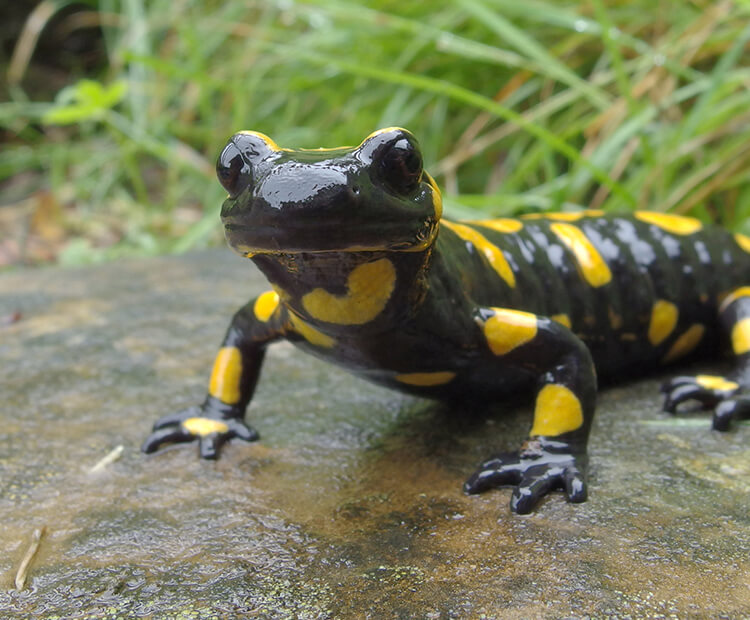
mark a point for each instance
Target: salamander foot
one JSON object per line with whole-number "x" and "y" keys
{"x": 210, "y": 428}
{"x": 541, "y": 466}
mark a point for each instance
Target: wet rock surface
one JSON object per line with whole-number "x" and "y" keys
{"x": 350, "y": 505}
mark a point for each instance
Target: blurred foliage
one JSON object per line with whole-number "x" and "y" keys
{"x": 108, "y": 147}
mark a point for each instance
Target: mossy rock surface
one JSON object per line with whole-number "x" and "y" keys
{"x": 350, "y": 505}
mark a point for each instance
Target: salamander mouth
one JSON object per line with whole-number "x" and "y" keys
{"x": 250, "y": 241}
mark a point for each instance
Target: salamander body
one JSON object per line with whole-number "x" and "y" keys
{"x": 366, "y": 273}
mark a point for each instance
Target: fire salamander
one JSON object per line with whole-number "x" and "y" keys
{"x": 365, "y": 273}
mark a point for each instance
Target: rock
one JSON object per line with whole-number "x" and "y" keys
{"x": 350, "y": 505}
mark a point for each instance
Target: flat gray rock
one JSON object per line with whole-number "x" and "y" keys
{"x": 350, "y": 505}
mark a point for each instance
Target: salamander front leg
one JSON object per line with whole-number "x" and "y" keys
{"x": 554, "y": 456}
{"x": 235, "y": 373}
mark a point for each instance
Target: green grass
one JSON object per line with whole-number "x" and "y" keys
{"x": 519, "y": 106}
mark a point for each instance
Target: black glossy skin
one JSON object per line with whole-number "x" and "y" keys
{"x": 325, "y": 224}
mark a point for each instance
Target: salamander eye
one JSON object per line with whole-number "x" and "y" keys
{"x": 233, "y": 172}
{"x": 401, "y": 166}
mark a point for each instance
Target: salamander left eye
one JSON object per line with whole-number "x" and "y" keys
{"x": 401, "y": 166}
{"x": 233, "y": 172}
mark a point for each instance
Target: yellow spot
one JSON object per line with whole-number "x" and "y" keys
{"x": 200, "y": 427}
{"x": 676, "y": 224}
{"x": 685, "y": 343}
{"x": 309, "y": 333}
{"x": 437, "y": 197}
{"x": 714, "y": 382}
{"x": 266, "y": 305}
{"x": 563, "y": 319}
{"x": 507, "y": 329}
{"x": 503, "y": 224}
{"x": 426, "y": 378}
{"x": 664, "y": 315}
{"x": 492, "y": 253}
{"x": 743, "y": 241}
{"x": 557, "y": 411}
{"x": 741, "y": 336}
{"x": 369, "y": 289}
{"x": 743, "y": 291}
{"x": 225, "y": 376}
{"x": 592, "y": 266}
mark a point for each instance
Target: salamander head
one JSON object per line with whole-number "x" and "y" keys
{"x": 373, "y": 197}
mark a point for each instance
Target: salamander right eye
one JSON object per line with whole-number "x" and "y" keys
{"x": 233, "y": 171}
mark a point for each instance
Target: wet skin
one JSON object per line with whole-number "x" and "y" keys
{"x": 365, "y": 273}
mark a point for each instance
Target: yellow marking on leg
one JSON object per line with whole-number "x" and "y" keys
{"x": 369, "y": 288}
{"x": 309, "y": 333}
{"x": 685, "y": 343}
{"x": 741, "y": 336}
{"x": 492, "y": 253}
{"x": 743, "y": 241}
{"x": 557, "y": 411}
{"x": 743, "y": 291}
{"x": 503, "y": 224}
{"x": 426, "y": 378}
{"x": 225, "y": 376}
{"x": 200, "y": 427}
{"x": 437, "y": 197}
{"x": 563, "y": 319}
{"x": 266, "y": 305}
{"x": 507, "y": 329}
{"x": 591, "y": 264}
{"x": 676, "y": 224}
{"x": 715, "y": 382}
{"x": 664, "y": 315}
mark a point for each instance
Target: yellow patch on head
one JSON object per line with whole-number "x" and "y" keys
{"x": 369, "y": 288}
{"x": 686, "y": 342}
{"x": 743, "y": 291}
{"x": 591, "y": 264}
{"x": 675, "y": 224}
{"x": 271, "y": 144}
{"x": 225, "y": 376}
{"x": 741, "y": 336}
{"x": 507, "y": 329}
{"x": 377, "y": 132}
{"x": 309, "y": 333}
{"x": 200, "y": 427}
{"x": 664, "y": 315}
{"x": 563, "y": 319}
{"x": 426, "y": 378}
{"x": 492, "y": 253}
{"x": 557, "y": 411}
{"x": 743, "y": 241}
{"x": 715, "y": 382}
{"x": 265, "y": 305}
{"x": 501, "y": 224}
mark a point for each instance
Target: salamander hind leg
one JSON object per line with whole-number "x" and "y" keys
{"x": 727, "y": 396}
